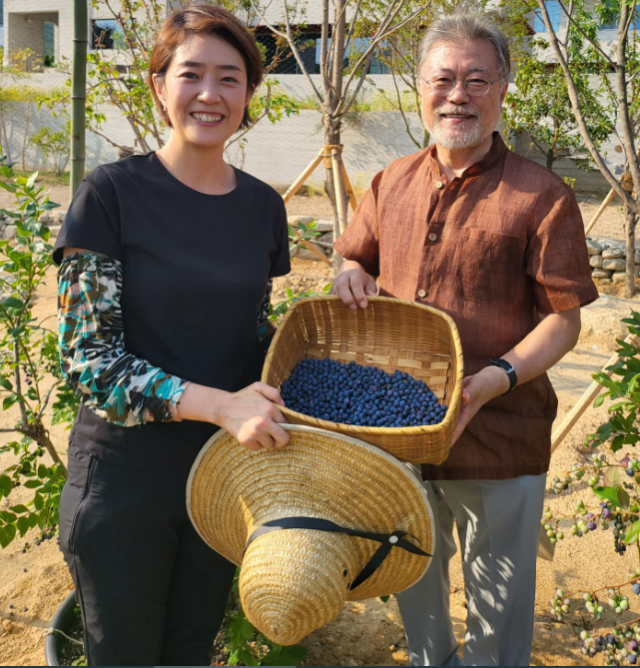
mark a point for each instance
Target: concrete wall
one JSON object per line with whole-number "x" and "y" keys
{"x": 274, "y": 153}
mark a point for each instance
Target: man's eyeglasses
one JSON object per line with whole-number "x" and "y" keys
{"x": 475, "y": 86}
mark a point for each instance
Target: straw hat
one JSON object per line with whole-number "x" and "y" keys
{"x": 294, "y": 580}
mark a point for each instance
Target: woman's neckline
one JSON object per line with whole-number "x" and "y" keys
{"x": 238, "y": 173}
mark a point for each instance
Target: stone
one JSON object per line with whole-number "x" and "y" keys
{"x": 593, "y": 247}
{"x": 58, "y": 216}
{"x": 324, "y": 224}
{"x": 326, "y": 238}
{"x": 613, "y": 253}
{"x": 9, "y": 232}
{"x": 614, "y": 265}
{"x": 600, "y": 273}
{"x": 55, "y": 230}
{"x": 618, "y": 277}
{"x": 305, "y": 220}
{"x": 595, "y": 261}
{"x": 45, "y": 218}
{"x": 305, "y": 254}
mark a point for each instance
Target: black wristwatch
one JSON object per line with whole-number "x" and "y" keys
{"x": 507, "y": 367}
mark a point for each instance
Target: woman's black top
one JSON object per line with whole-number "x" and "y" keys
{"x": 194, "y": 269}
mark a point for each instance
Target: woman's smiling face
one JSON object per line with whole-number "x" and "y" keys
{"x": 204, "y": 91}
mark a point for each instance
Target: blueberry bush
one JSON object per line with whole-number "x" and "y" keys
{"x": 30, "y": 377}
{"x": 613, "y": 474}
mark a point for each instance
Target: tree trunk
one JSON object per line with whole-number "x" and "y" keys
{"x": 332, "y": 137}
{"x": 26, "y": 134}
{"x": 550, "y": 160}
{"x": 79, "y": 92}
{"x": 630, "y": 229}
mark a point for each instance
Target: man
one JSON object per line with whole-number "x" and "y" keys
{"x": 497, "y": 242}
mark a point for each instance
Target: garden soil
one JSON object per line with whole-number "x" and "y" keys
{"x": 34, "y": 580}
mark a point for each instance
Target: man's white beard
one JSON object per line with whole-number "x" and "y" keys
{"x": 453, "y": 139}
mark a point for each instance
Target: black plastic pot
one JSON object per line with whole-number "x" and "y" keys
{"x": 62, "y": 620}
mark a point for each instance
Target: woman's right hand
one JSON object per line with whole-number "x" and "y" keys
{"x": 250, "y": 415}
{"x": 353, "y": 285}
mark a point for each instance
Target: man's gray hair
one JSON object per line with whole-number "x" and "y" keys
{"x": 460, "y": 27}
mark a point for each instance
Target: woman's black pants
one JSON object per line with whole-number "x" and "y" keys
{"x": 150, "y": 590}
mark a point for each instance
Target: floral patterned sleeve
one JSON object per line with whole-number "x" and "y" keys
{"x": 266, "y": 328}
{"x": 113, "y": 383}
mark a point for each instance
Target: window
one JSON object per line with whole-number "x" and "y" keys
{"x": 49, "y": 44}
{"x": 106, "y": 34}
{"x": 635, "y": 24}
{"x": 285, "y": 62}
{"x": 553, "y": 8}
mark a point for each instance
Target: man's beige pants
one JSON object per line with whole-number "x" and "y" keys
{"x": 498, "y": 524}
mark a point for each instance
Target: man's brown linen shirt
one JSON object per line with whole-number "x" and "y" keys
{"x": 491, "y": 248}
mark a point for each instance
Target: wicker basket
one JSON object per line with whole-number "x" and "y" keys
{"x": 390, "y": 334}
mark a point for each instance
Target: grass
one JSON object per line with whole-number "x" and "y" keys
{"x": 48, "y": 178}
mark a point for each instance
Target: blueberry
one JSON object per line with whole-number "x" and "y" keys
{"x": 632, "y": 658}
{"x": 636, "y": 589}
{"x": 629, "y": 472}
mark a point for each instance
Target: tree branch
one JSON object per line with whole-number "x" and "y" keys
{"x": 623, "y": 103}
{"x": 575, "y": 104}
{"x": 368, "y": 56}
{"x": 582, "y": 32}
{"x": 294, "y": 49}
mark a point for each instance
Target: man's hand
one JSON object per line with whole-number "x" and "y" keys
{"x": 353, "y": 285}
{"x": 477, "y": 390}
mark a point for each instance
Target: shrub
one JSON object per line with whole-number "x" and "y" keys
{"x": 54, "y": 145}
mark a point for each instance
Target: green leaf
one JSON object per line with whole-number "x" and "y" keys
{"x": 11, "y": 302}
{"x": 32, "y": 180}
{"x": 38, "y": 501}
{"x": 298, "y": 652}
{"x": 599, "y": 401}
{"x": 607, "y": 494}
{"x": 5, "y": 485}
{"x": 6, "y": 383}
{"x": 7, "y": 402}
{"x": 32, "y": 484}
{"x": 43, "y": 471}
{"x": 247, "y": 629}
{"x": 23, "y": 525}
{"x": 612, "y": 477}
{"x": 623, "y": 499}
{"x": 632, "y": 533}
{"x": 7, "y": 534}
{"x": 19, "y": 509}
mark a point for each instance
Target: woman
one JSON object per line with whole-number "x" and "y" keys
{"x": 165, "y": 267}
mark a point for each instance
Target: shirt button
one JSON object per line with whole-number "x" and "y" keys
{"x": 433, "y": 237}
{"x": 439, "y": 184}
{"x": 422, "y": 293}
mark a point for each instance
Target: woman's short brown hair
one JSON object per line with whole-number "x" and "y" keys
{"x": 204, "y": 20}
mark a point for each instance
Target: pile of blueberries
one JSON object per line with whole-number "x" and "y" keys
{"x": 360, "y": 395}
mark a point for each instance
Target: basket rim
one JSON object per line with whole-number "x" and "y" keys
{"x": 456, "y": 396}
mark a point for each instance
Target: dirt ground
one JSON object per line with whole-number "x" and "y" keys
{"x": 34, "y": 582}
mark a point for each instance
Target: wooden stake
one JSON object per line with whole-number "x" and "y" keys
{"x": 599, "y": 212}
{"x": 339, "y": 189}
{"x": 295, "y": 186}
{"x": 347, "y": 186}
{"x": 584, "y": 402}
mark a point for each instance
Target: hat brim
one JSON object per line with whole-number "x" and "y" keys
{"x": 231, "y": 491}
